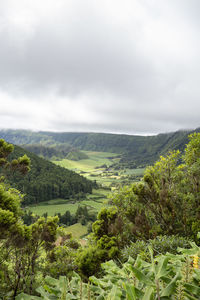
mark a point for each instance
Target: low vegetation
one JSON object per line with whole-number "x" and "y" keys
{"x": 164, "y": 277}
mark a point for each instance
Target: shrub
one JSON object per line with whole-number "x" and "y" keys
{"x": 159, "y": 245}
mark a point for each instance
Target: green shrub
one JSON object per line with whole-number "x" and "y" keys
{"x": 159, "y": 245}
{"x": 89, "y": 260}
{"x": 60, "y": 262}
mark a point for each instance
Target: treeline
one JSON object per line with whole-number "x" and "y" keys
{"x": 47, "y": 181}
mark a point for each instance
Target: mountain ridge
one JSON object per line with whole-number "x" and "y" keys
{"x": 135, "y": 150}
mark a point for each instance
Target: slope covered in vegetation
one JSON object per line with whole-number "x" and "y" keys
{"x": 47, "y": 181}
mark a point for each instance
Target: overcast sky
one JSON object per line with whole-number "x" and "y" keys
{"x": 121, "y": 66}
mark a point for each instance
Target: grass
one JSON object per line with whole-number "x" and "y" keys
{"x": 96, "y": 167}
{"x": 96, "y": 159}
{"x": 54, "y": 208}
{"x": 93, "y": 167}
{"x": 51, "y": 209}
{"x": 77, "y": 230}
{"x": 94, "y": 205}
{"x": 139, "y": 171}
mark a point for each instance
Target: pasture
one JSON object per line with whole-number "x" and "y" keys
{"x": 93, "y": 202}
{"x": 95, "y": 160}
{"x": 98, "y": 167}
{"x": 77, "y": 230}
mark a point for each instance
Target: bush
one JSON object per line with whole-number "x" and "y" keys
{"x": 89, "y": 260}
{"x": 159, "y": 245}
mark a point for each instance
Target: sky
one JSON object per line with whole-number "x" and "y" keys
{"x": 119, "y": 66}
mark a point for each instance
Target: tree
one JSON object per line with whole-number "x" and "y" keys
{"x": 21, "y": 255}
{"x": 167, "y": 200}
{"x": 21, "y": 245}
{"x": 10, "y": 198}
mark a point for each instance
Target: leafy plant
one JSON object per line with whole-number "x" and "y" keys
{"x": 166, "y": 277}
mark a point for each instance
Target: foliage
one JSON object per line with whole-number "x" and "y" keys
{"x": 61, "y": 259}
{"x": 20, "y": 164}
{"x": 10, "y": 199}
{"x": 106, "y": 241}
{"x": 165, "y": 277}
{"x": 49, "y": 151}
{"x": 21, "y": 257}
{"x": 159, "y": 245}
{"x": 20, "y": 245}
{"x": 166, "y": 201}
{"x": 10, "y": 210}
{"x": 89, "y": 260}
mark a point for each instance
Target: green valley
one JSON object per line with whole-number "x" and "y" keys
{"x": 100, "y": 167}
{"x": 135, "y": 151}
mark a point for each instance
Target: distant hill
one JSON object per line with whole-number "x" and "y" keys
{"x": 76, "y": 155}
{"x": 49, "y": 151}
{"x": 135, "y": 150}
{"x": 47, "y": 181}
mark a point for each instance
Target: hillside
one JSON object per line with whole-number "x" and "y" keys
{"x": 49, "y": 151}
{"x": 47, "y": 181}
{"x": 135, "y": 151}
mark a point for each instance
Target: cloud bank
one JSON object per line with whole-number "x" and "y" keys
{"x": 114, "y": 66}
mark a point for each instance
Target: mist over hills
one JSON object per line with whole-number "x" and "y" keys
{"x": 134, "y": 150}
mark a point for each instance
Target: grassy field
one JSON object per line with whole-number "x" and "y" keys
{"x": 96, "y": 159}
{"x": 51, "y": 209}
{"x": 139, "y": 171}
{"x": 93, "y": 202}
{"x": 97, "y": 167}
{"x": 77, "y": 230}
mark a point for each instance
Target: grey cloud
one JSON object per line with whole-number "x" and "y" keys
{"x": 132, "y": 67}
{"x": 92, "y": 55}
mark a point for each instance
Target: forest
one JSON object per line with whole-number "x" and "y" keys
{"x": 144, "y": 245}
{"x": 46, "y": 180}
